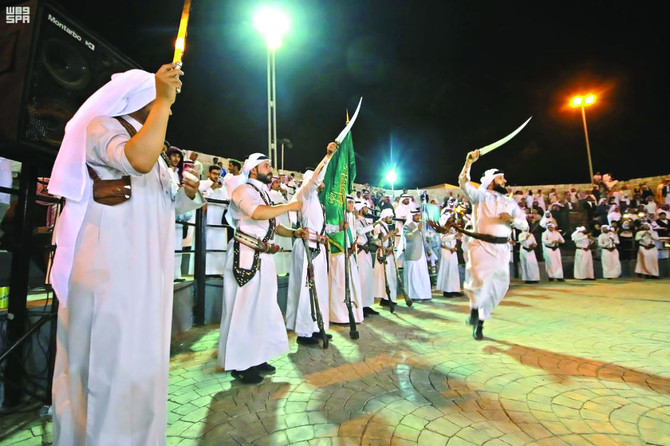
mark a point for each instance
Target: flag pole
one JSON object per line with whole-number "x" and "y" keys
{"x": 353, "y": 333}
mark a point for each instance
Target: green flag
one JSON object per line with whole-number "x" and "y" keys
{"x": 338, "y": 182}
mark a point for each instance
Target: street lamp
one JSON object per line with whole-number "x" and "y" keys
{"x": 272, "y": 24}
{"x": 289, "y": 145}
{"x": 391, "y": 177}
{"x": 583, "y": 102}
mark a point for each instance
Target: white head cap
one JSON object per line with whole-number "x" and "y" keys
{"x": 252, "y": 161}
{"x": 488, "y": 178}
{"x": 358, "y": 205}
{"x": 386, "y": 213}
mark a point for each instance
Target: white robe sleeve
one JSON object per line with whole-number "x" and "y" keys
{"x": 247, "y": 199}
{"x": 107, "y": 140}
{"x": 183, "y": 203}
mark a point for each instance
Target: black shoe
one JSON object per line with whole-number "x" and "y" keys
{"x": 248, "y": 376}
{"x": 561, "y": 280}
{"x": 551, "y": 279}
{"x": 302, "y": 340}
{"x": 264, "y": 368}
{"x": 317, "y": 334}
{"x": 367, "y": 311}
{"x": 478, "y": 331}
{"x": 384, "y": 303}
{"x": 448, "y": 294}
{"x": 474, "y": 317}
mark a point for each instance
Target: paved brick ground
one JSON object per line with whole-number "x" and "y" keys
{"x": 562, "y": 364}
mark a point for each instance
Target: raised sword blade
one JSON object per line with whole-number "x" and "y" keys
{"x": 486, "y": 149}
{"x": 350, "y": 124}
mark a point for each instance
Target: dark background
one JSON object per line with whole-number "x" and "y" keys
{"x": 437, "y": 79}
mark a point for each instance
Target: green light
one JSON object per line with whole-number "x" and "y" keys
{"x": 272, "y": 24}
{"x": 391, "y": 176}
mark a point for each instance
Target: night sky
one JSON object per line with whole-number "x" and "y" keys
{"x": 437, "y": 79}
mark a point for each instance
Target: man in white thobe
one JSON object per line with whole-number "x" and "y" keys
{"x": 551, "y": 251}
{"x": 448, "y": 277}
{"x": 385, "y": 274}
{"x": 234, "y": 177}
{"x": 197, "y": 165}
{"x": 312, "y": 218}
{"x": 216, "y": 236}
{"x": 113, "y": 266}
{"x": 546, "y": 219}
{"x": 231, "y": 181}
{"x": 402, "y": 213}
{"x": 583, "y": 267}
{"x": 661, "y": 225}
{"x": 364, "y": 253}
{"x": 339, "y": 313}
{"x": 647, "y": 253}
{"x": 530, "y": 271}
{"x": 494, "y": 214}
{"x": 252, "y": 325}
{"x": 415, "y": 266}
{"x": 614, "y": 215}
{"x": 609, "y": 254}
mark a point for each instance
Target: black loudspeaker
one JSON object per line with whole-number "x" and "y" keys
{"x": 49, "y": 65}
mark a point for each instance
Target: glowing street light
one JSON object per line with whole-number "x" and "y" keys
{"x": 272, "y": 24}
{"x": 391, "y": 177}
{"x": 583, "y": 102}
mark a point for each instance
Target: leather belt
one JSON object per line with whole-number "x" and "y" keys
{"x": 490, "y": 238}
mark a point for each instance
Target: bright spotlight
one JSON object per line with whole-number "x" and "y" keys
{"x": 272, "y": 24}
{"x": 391, "y": 176}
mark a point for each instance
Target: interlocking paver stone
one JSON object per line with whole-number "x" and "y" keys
{"x": 561, "y": 363}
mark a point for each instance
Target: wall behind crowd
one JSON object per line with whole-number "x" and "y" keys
{"x": 441, "y": 191}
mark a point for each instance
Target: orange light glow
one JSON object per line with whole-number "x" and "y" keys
{"x": 582, "y": 101}
{"x": 180, "y": 43}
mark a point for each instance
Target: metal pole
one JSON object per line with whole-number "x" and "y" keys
{"x": 274, "y": 112}
{"x": 269, "y": 105}
{"x": 200, "y": 266}
{"x": 282, "y": 155}
{"x": 588, "y": 148}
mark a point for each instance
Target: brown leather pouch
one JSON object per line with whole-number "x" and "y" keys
{"x": 110, "y": 192}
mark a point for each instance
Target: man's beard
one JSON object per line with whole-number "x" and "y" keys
{"x": 500, "y": 189}
{"x": 265, "y": 179}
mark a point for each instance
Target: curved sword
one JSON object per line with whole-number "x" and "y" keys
{"x": 486, "y": 149}
{"x": 350, "y": 124}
